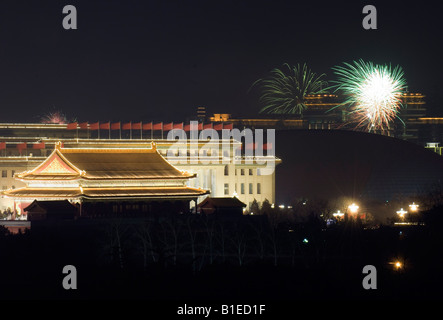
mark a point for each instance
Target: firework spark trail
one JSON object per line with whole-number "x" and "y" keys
{"x": 54, "y": 117}
{"x": 285, "y": 90}
{"x": 373, "y": 93}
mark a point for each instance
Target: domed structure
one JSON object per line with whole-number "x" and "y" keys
{"x": 332, "y": 163}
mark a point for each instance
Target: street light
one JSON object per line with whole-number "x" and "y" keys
{"x": 353, "y": 208}
{"x": 397, "y": 264}
{"x": 413, "y": 207}
{"x": 401, "y": 212}
{"x": 338, "y": 214}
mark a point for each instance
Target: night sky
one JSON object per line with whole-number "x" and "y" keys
{"x": 159, "y": 60}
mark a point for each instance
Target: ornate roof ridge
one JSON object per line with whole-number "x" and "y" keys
{"x": 152, "y": 149}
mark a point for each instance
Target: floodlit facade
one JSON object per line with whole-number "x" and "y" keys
{"x": 105, "y": 181}
{"x": 218, "y": 166}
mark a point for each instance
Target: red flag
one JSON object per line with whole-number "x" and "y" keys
{"x": 178, "y": 126}
{"x": 229, "y": 126}
{"x": 168, "y": 126}
{"x": 136, "y": 126}
{"x": 218, "y": 126}
{"x": 267, "y": 146}
{"x": 126, "y": 126}
{"x": 72, "y": 126}
{"x": 147, "y": 126}
{"x": 94, "y": 126}
{"x": 83, "y": 125}
{"x": 106, "y": 125}
{"x": 21, "y": 146}
{"x": 251, "y": 146}
{"x": 198, "y": 126}
{"x": 38, "y": 145}
{"x": 208, "y": 126}
{"x": 158, "y": 126}
{"x": 115, "y": 126}
{"x": 2, "y": 145}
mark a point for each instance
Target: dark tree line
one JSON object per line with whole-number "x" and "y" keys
{"x": 168, "y": 252}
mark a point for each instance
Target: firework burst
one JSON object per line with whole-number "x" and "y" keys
{"x": 284, "y": 91}
{"x": 373, "y": 93}
{"x": 54, "y": 117}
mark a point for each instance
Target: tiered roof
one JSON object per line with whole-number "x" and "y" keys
{"x": 104, "y": 164}
{"x": 105, "y": 173}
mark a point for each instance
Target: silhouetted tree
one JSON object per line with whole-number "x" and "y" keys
{"x": 171, "y": 229}
{"x": 210, "y": 228}
{"x": 3, "y": 231}
{"x": 254, "y": 208}
{"x": 266, "y": 207}
{"x": 258, "y": 238}
{"x": 238, "y": 239}
{"x": 192, "y": 234}
{"x": 116, "y": 231}
{"x": 144, "y": 233}
{"x": 222, "y": 239}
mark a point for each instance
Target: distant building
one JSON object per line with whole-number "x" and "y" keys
{"x": 434, "y": 146}
{"x": 261, "y": 123}
{"x": 24, "y": 146}
{"x": 321, "y": 113}
{"x": 411, "y": 127}
{"x": 324, "y": 112}
{"x": 50, "y": 210}
{"x": 228, "y": 206}
{"x": 103, "y": 182}
{"x": 201, "y": 113}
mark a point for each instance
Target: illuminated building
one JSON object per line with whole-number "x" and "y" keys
{"x": 107, "y": 180}
{"x": 201, "y": 113}
{"x": 323, "y": 112}
{"x": 25, "y": 146}
{"x": 229, "y": 206}
{"x": 318, "y": 115}
{"x": 413, "y": 109}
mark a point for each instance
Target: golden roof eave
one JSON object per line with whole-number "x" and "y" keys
{"x": 77, "y": 172}
{"x": 123, "y": 163}
{"x": 105, "y": 193}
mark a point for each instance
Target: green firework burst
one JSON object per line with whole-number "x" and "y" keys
{"x": 373, "y": 93}
{"x": 285, "y": 90}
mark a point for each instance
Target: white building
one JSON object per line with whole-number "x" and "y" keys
{"x": 219, "y": 165}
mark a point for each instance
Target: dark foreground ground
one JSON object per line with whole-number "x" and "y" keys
{"x": 195, "y": 264}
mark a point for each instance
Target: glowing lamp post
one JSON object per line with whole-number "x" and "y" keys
{"x": 413, "y": 207}
{"x": 401, "y": 213}
{"x": 338, "y": 214}
{"x": 398, "y": 265}
{"x": 353, "y": 208}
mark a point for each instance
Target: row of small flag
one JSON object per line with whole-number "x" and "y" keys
{"x": 145, "y": 126}
{"x": 24, "y": 145}
{"x": 41, "y": 145}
